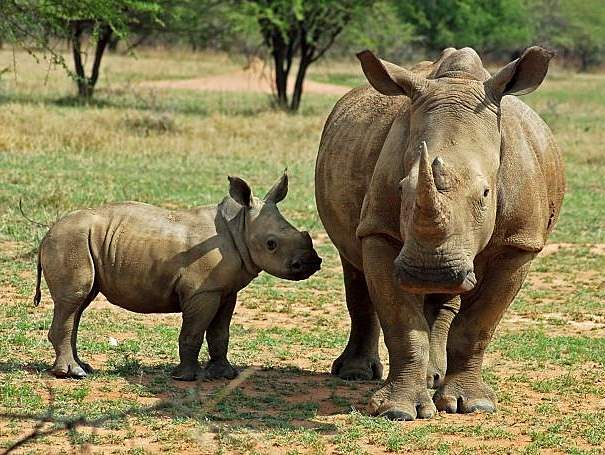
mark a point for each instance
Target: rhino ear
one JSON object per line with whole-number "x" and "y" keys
{"x": 279, "y": 190}
{"x": 388, "y": 78}
{"x": 521, "y": 76}
{"x": 240, "y": 191}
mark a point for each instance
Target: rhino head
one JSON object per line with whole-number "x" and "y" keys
{"x": 452, "y": 153}
{"x": 269, "y": 241}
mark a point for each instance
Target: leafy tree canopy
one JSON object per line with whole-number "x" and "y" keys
{"x": 301, "y": 30}
{"x": 486, "y": 25}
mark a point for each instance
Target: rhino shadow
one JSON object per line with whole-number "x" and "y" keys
{"x": 274, "y": 397}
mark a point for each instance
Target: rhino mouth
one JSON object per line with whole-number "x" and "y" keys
{"x": 303, "y": 268}
{"x": 452, "y": 279}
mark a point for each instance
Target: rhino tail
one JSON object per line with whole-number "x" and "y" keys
{"x": 38, "y": 294}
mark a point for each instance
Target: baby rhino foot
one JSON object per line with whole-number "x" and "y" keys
{"x": 217, "y": 369}
{"x": 461, "y": 395}
{"x": 188, "y": 372}
{"x": 359, "y": 368}
{"x": 69, "y": 370}
{"x": 86, "y": 367}
{"x": 396, "y": 404}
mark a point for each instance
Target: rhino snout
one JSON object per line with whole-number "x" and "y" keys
{"x": 453, "y": 278}
{"x": 305, "y": 265}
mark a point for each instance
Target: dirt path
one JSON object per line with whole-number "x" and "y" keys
{"x": 255, "y": 77}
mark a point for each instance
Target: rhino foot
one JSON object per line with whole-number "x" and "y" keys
{"x": 86, "y": 367}
{"x": 68, "y": 370}
{"x": 219, "y": 369}
{"x": 459, "y": 395}
{"x": 394, "y": 403}
{"x": 188, "y": 372}
{"x": 357, "y": 368}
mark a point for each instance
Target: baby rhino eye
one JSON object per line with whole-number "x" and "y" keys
{"x": 486, "y": 192}
{"x": 271, "y": 244}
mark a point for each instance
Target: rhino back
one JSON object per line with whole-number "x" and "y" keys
{"x": 350, "y": 145}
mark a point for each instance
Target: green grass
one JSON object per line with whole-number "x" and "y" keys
{"x": 346, "y": 79}
{"x": 564, "y": 350}
{"x": 175, "y": 148}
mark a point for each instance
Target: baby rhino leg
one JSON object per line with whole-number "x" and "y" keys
{"x": 218, "y": 341}
{"x": 69, "y": 273}
{"x": 63, "y": 334}
{"x": 198, "y": 311}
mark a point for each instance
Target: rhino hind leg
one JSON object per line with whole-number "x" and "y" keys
{"x": 70, "y": 275}
{"x": 463, "y": 390}
{"x": 63, "y": 335}
{"x": 74, "y": 335}
{"x": 359, "y": 360}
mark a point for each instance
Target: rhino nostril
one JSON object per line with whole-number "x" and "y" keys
{"x": 296, "y": 265}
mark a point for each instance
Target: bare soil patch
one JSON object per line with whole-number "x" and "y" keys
{"x": 551, "y": 248}
{"x": 255, "y": 77}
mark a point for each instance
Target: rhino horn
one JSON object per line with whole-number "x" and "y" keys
{"x": 430, "y": 209}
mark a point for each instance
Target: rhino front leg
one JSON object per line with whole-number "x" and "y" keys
{"x": 198, "y": 311}
{"x": 218, "y": 341}
{"x": 404, "y": 395}
{"x": 463, "y": 390}
{"x": 440, "y": 311}
{"x": 360, "y": 358}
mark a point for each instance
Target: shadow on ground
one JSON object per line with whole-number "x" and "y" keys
{"x": 259, "y": 398}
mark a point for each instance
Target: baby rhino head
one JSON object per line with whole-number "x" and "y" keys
{"x": 275, "y": 246}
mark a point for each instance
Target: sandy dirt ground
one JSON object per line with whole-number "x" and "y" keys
{"x": 254, "y": 77}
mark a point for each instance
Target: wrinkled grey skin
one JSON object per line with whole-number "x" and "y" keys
{"x": 438, "y": 189}
{"x": 152, "y": 260}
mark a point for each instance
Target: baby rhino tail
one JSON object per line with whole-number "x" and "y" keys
{"x": 38, "y": 294}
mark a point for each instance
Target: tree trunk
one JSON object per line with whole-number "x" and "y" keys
{"x": 281, "y": 73}
{"x": 86, "y": 85}
{"x": 298, "y": 85}
{"x": 585, "y": 59}
{"x": 112, "y": 46}
{"x": 76, "y": 46}
{"x": 307, "y": 51}
{"x": 102, "y": 41}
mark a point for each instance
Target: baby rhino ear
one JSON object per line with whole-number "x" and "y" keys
{"x": 279, "y": 190}
{"x": 240, "y": 191}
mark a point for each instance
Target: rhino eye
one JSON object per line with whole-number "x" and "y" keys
{"x": 271, "y": 244}
{"x": 486, "y": 192}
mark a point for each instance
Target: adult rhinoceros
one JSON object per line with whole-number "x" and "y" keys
{"x": 438, "y": 190}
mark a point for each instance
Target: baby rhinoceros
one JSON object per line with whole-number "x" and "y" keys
{"x": 148, "y": 259}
